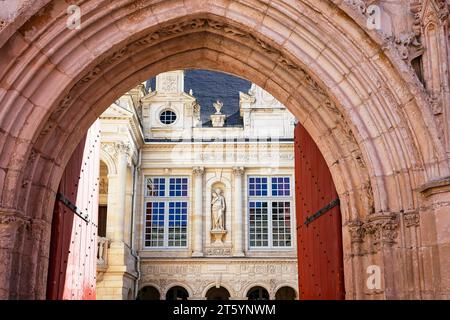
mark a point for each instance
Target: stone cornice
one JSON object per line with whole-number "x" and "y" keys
{"x": 435, "y": 187}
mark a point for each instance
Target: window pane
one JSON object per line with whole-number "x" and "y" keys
{"x": 156, "y": 187}
{"x": 154, "y": 222}
{"x": 258, "y": 219}
{"x": 281, "y": 224}
{"x": 281, "y": 187}
{"x": 178, "y": 187}
{"x": 258, "y": 186}
{"x": 177, "y": 230}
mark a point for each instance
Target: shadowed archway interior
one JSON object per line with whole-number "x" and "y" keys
{"x": 349, "y": 88}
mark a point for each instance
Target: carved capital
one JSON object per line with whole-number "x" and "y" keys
{"x": 357, "y": 231}
{"x": 238, "y": 171}
{"x": 13, "y": 218}
{"x": 411, "y": 219}
{"x": 383, "y": 228}
{"x": 198, "y": 171}
{"x": 123, "y": 148}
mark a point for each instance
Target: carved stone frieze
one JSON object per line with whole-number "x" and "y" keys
{"x": 218, "y": 252}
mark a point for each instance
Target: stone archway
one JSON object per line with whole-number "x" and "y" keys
{"x": 348, "y": 87}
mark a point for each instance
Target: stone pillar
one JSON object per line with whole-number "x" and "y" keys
{"x": 434, "y": 226}
{"x": 198, "y": 213}
{"x": 121, "y": 182}
{"x": 10, "y": 225}
{"x": 238, "y": 221}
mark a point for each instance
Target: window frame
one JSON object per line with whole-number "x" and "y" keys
{"x": 166, "y": 199}
{"x": 168, "y": 110}
{"x": 270, "y": 199}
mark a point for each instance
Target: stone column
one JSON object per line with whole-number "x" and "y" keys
{"x": 123, "y": 151}
{"x": 238, "y": 221}
{"x": 198, "y": 213}
{"x": 11, "y": 223}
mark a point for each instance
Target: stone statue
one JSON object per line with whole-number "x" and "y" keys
{"x": 218, "y": 106}
{"x": 218, "y": 208}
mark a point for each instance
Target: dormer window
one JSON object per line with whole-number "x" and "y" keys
{"x": 168, "y": 117}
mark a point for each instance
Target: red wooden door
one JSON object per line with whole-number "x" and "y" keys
{"x": 319, "y": 228}
{"x": 73, "y": 248}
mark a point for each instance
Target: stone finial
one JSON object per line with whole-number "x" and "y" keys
{"x": 218, "y": 119}
{"x": 218, "y": 105}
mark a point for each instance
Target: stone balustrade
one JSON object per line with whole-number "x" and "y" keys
{"x": 102, "y": 253}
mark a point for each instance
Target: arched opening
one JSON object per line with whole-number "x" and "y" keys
{"x": 258, "y": 293}
{"x": 217, "y": 294}
{"x": 341, "y": 82}
{"x": 285, "y": 293}
{"x": 148, "y": 293}
{"x": 177, "y": 293}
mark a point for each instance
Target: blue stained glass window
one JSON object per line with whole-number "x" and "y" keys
{"x": 156, "y": 187}
{"x": 178, "y": 187}
{"x": 281, "y": 186}
{"x": 258, "y": 187}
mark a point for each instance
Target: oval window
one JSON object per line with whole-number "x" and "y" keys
{"x": 168, "y": 117}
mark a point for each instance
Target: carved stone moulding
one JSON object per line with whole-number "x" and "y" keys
{"x": 435, "y": 187}
{"x": 218, "y": 252}
{"x": 13, "y": 217}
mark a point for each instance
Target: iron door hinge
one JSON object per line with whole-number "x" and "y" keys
{"x": 322, "y": 211}
{"x": 72, "y": 207}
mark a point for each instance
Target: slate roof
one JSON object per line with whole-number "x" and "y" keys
{"x": 209, "y": 86}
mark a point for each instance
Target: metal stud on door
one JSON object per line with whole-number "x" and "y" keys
{"x": 319, "y": 235}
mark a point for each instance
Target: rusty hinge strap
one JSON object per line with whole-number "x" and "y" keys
{"x": 72, "y": 207}
{"x": 322, "y": 211}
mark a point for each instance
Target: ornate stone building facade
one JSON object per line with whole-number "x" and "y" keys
{"x": 213, "y": 160}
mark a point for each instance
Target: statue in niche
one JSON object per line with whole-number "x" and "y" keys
{"x": 218, "y": 208}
